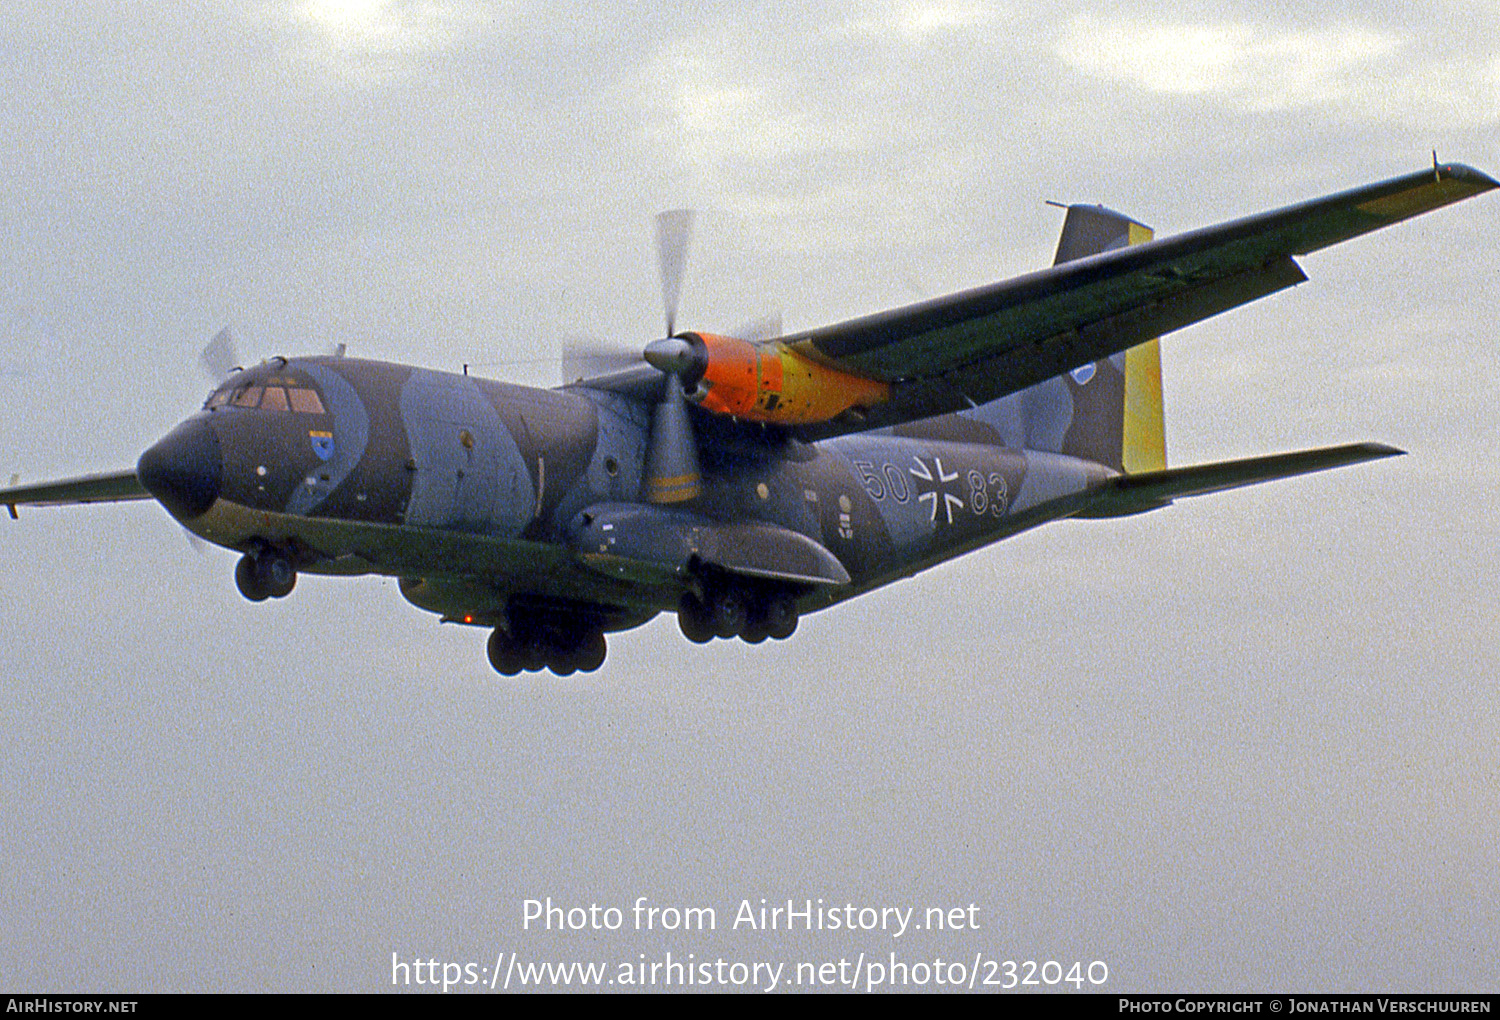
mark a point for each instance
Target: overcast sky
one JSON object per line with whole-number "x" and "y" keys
{"x": 1245, "y": 743}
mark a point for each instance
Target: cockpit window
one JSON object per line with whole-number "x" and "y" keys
{"x": 248, "y": 397}
{"x": 286, "y": 398}
{"x": 305, "y": 401}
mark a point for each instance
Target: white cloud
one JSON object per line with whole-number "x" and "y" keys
{"x": 357, "y": 37}
{"x": 1261, "y": 69}
{"x": 722, "y": 115}
{"x": 1348, "y": 71}
{"x": 920, "y": 22}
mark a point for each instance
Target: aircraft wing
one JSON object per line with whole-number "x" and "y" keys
{"x": 1150, "y": 490}
{"x": 942, "y": 355}
{"x": 110, "y": 487}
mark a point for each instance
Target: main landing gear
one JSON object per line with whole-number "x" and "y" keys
{"x": 729, "y": 610}
{"x": 265, "y": 574}
{"x": 564, "y": 652}
{"x": 537, "y": 632}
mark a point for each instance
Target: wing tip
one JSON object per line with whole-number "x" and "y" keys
{"x": 1480, "y": 180}
{"x": 1376, "y": 451}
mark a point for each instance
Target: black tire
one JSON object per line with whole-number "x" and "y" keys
{"x": 503, "y": 653}
{"x": 274, "y": 574}
{"x": 591, "y": 652}
{"x": 728, "y": 612}
{"x": 562, "y": 653}
{"x": 692, "y": 619}
{"x": 779, "y": 616}
{"x": 535, "y": 654}
{"x": 246, "y": 580}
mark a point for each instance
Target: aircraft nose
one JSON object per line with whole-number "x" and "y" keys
{"x": 183, "y": 470}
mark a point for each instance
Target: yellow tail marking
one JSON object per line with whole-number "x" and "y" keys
{"x": 1145, "y": 439}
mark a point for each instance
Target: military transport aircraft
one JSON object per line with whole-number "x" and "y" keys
{"x": 739, "y": 482}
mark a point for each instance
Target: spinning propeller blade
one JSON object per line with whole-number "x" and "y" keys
{"x": 674, "y": 232}
{"x": 583, "y": 357}
{"x": 672, "y": 473}
{"x": 219, "y": 357}
{"x": 766, "y": 327}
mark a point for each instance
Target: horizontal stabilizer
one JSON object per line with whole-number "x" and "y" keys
{"x": 1134, "y": 494}
{"x": 110, "y": 487}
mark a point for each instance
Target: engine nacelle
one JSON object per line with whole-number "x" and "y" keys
{"x": 773, "y": 383}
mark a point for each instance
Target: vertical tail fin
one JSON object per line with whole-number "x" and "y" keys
{"x": 1109, "y": 411}
{"x": 1144, "y": 444}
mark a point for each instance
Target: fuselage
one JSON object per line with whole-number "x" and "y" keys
{"x": 483, "y": 496}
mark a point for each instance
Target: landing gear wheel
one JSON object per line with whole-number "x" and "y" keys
{"x": 563, "y": 663}
{"x": 269, "y": 575}
{"x": 503, "y": 653}
{"x": 577, "y": 653}
{"x": 727, "y": 612}
{"x": 591, "y": 653}
{"x": 549, "y": 634}
{"x": 692, "y": 619}
{"x": 246, "y": 581}
{"x": 779, "y": 616}
{"x": 534, "y": 655}
{"x": 274, "y": 574}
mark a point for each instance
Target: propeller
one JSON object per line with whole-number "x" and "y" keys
{"x": 672, "y": 471}
{"x": 767, "y": 327}
{"x": 674, "y": 233}
{"x": 198, "y": 545}
{"x": 219, "y": 356}
{"x": 583, "y": 357}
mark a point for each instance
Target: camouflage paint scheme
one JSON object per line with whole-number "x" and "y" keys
{"x": 525, "y": 510}
{"x": 474, "y": 485}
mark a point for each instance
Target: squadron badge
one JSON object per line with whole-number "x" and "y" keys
{"x": 322, "y": 443}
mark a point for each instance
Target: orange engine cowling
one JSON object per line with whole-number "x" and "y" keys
{"x": 773, "y": 383}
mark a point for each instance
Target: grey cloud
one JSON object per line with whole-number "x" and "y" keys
{"x": 1238, "y": 744}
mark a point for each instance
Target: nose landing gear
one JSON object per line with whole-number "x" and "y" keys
{"x": 266, "y": 574}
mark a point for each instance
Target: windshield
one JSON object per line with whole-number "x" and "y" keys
{"x": 292, "y": 397}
